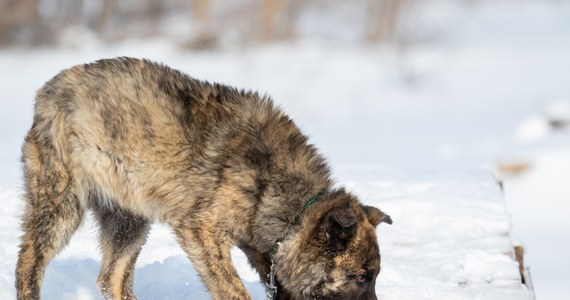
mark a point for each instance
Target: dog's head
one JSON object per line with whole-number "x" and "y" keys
{"x": 335, "y": 255}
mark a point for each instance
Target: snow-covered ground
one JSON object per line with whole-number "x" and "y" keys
{"x": 414, "y": 130}
{"x": 450, "y": 240}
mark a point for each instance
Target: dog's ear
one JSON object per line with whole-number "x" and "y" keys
{"x": 376, "y": 216}
{"x": 340, "y": 225}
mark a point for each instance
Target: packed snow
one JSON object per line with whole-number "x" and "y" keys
{"x": 415, "y": 131}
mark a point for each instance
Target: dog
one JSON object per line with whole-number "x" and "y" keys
{"x": 137, "y": 142}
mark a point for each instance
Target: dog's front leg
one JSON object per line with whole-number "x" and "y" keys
{"x": 210, "y": 255}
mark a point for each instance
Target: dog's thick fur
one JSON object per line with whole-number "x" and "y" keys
{"x": 137, "y": 142}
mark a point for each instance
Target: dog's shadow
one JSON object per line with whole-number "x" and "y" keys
{"x": 175, "y": 278}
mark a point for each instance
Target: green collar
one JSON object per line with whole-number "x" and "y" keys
{"x": 295, "y": 219}
{"x": 271, "y": 283}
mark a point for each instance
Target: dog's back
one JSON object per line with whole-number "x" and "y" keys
{"x": 130, "y": 127}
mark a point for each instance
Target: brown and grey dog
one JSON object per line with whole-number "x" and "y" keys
{"x": 137, "y": 142}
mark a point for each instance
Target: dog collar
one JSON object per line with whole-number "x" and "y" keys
{"x": 271, "y": 283}
{"x": 295, "y": 219}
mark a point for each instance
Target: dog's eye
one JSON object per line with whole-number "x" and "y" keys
{"x": 361, "y": 279}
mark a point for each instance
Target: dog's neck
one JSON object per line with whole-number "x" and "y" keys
{"x": 292, "y": 222}
{"x": 288, "y": 242}
{"x": 271, "y": 285}
{"x": 282, "y": 206}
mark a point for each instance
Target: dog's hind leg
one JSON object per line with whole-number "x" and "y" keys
{"x": 122, "y": 236}
{"x": 54, "y": 210}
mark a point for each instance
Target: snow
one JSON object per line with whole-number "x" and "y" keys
{"x": 533, "y": 129}
{"x": 450, "y": 238}
{"x": 413, "y": 129}
{"x": 538, "y": 202}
